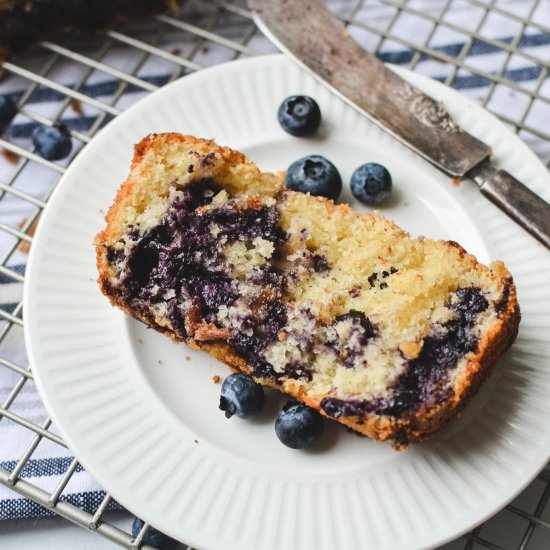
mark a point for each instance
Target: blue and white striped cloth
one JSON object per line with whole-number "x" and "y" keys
{"x": 50, "y": 461}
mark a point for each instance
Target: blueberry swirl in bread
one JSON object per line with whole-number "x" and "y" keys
{"x": 345, "y": 312}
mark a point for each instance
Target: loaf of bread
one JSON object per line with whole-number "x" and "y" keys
{"x": 345, "y": 312}
{"x": 25, "y": 21}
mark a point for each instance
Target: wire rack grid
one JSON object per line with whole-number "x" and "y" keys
{"x": 100, "y": 87}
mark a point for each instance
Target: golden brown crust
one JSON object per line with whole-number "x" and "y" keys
{"x": 111, "y": 231}
{"x": 415, "y": 427}
{"x": 402, "y": 431}
{"x": 113, "y": 228}
{"x": 421, "y": 425}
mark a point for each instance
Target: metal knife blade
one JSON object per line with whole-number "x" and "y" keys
{"x": 308, "y": 33}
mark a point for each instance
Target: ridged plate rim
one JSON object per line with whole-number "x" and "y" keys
{"x": 49, "y": 352}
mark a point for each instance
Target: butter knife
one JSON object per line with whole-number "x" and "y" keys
{"x": 307, "y": 32}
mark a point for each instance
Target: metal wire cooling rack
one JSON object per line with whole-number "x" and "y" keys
{"x": 179, "y": 45}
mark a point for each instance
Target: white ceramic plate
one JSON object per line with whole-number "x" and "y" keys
{"x": 141, "y": 413}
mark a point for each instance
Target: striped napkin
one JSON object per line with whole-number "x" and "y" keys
{"x": 49, "y": 462}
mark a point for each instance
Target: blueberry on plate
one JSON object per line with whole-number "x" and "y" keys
{"x": 52, "y": 142}
{"x": 241, "y": 396}
{"x": 315, "y": 175}
{"x": 8, "y": 110}
{"x": 299, "y": 115}
{"x": 371, "y": 183}
{"x": 153, "y": 537}
{"x": 298, "y": 426}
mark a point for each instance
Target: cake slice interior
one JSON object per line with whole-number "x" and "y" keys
{"x": 346, "y": 312}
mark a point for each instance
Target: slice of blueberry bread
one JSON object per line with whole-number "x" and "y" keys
{"x": 346, "y": 312}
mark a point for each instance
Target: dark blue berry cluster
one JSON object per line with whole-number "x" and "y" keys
{"x": 8, "y": 110}
{"x": 371, "y": 183}
{"x": 297, "y": 426}
{"x": 241, "y": 396}
{"x": 52, "y": 142}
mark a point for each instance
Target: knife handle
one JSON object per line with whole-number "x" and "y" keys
{"x": 520, "y": 203}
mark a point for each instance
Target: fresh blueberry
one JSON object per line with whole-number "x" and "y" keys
{"x": 371, "y": 183}
{"x": 299, "y": 115}
{"x": 153, "y": 537}
{"x": 315, "y": 175}
{"x": 8, "y": 110}
{"x": 52, "y": 142}
{"x": 241, "y": 396}
{"x": 298, "y": 426}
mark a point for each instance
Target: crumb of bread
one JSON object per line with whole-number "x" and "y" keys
{"x": 337, "y": 261}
